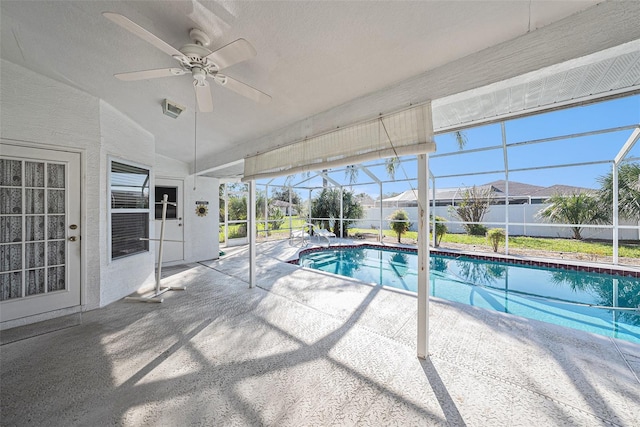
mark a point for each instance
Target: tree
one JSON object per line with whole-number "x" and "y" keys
{"x": 576, "y": 209}
{"x": 399, "y": 223}
{"x": 474, "y": 205}
{"x": 326, "y": 206}
{"x": 283, "y": 194}
{"x": 628, "y": 191}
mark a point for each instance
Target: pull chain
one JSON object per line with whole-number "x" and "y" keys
{"x": 195, "y": 149}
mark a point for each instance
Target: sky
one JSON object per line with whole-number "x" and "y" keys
{"x": 586, "y": 149}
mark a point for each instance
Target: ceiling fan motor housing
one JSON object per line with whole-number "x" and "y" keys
{"x": 195, "y": 55}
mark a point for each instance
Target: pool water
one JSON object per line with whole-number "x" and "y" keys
{"x": 600, "y": 303}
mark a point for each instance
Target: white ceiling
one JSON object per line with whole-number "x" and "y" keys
{"x": 323, "y": 63}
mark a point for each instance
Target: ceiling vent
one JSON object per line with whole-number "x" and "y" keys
{"x": 172, "y": 109}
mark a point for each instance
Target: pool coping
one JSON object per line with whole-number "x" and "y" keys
{"x": 508, "y": 259}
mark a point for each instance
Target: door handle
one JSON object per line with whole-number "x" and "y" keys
{"x": 72, "y": 238}
{"x": 179, "y": 225}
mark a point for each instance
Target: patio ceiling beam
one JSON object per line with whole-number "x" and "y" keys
{"x": 331, "y": 180}
{"x": 627, "y": 146}
{"x": 310, "y": 177}
{"x": 369, "y": 173}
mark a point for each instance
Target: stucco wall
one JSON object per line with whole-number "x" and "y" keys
{"x": 37, "y": 110}
{"x": 41, "y": 112}
{"x": 122, "y": 139}
{"x": 200, "y": 233}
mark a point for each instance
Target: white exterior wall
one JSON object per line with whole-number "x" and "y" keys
{"x": 200, "y": 233}
{"x": 41, "y": 112}
{"x": 494, "y": 218}
{"x": 122, "y": 139}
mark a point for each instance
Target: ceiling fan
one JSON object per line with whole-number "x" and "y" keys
{"x": 195, "y": 58}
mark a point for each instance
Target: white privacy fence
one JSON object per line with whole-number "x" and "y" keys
{"x": 523, "y": 221}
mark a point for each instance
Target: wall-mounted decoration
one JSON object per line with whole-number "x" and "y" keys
{"x": 202, "y": 208}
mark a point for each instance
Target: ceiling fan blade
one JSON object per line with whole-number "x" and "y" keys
{"x": 243, "y": 89}
{"x": 145, "y": 35}
{"x": 203, "y": 97}
{"x": 236, "y": 51}
{"x": 150, "y": 74}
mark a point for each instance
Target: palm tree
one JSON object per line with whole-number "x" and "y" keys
{"x": 628, "y": 191}
{"x": 400, "y": 223}
{"x": 576, "y": 209}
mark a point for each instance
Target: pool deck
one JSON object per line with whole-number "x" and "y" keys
{"x": 306, "y": 348}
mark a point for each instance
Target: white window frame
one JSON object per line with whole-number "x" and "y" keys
{"x": 110, "y": 211}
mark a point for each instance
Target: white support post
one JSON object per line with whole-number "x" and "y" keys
{"x": 380, "y": 228}
{"x": 226, "y": 214}
{"x": 423, "y": 257}
{"x": 251, "y": 229}
{"x": 309, "y": 203}
{"x": 615, "y": 212}
{"x": 506, "y": 185}
{"x": 433, "y": 211}
{"x": 266, "y": 211}
{"x": 341, "y": 212}
{"x": 290, "y": 219}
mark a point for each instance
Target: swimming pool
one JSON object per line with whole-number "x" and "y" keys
{"x": 600, "y": 303}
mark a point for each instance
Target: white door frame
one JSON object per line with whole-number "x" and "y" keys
{"x": 15, "y": 310}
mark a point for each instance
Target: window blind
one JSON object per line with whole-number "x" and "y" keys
{"x": 129, "y": 209}
{"x": 398, "y": 134}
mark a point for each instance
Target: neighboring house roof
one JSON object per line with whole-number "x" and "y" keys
{"x": 515, "y": 188}
{"x": 564, "y": 190}
{"x": 498, "y": 188}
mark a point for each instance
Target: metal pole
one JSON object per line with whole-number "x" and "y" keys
{"x": 226, "y": 215}
{"x": 165, "y": 199}
{"x": 266, "y": 211}
{"x": 615, "y": 213}
{"x": 423, "y": 257}
{"x": 341, "y": 211}
{"x": 252, "y": 233}
{"x": 290, "y": 220}
{"x": 380, "y": 228}
{"x": 433, "y": 210}
{"x": 506, "y": 188}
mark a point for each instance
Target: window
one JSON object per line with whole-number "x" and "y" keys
{"x": 129, "y": 191}
{"x": 172, "y": 197}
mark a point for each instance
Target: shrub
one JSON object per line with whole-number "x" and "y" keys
{"x": 495, "y": 236}
{"x": 399, "y": 223}
{"x": 476, "y": 229}
{"x": 276, "y": 217}
{"x": 441, "y": 229}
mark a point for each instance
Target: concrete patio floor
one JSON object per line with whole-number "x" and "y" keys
{"x": 306, "y": 348}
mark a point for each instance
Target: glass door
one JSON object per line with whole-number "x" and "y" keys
{"x": 39, "y": 231}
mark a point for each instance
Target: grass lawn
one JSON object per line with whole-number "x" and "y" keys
{"x": 627, "y": 250}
